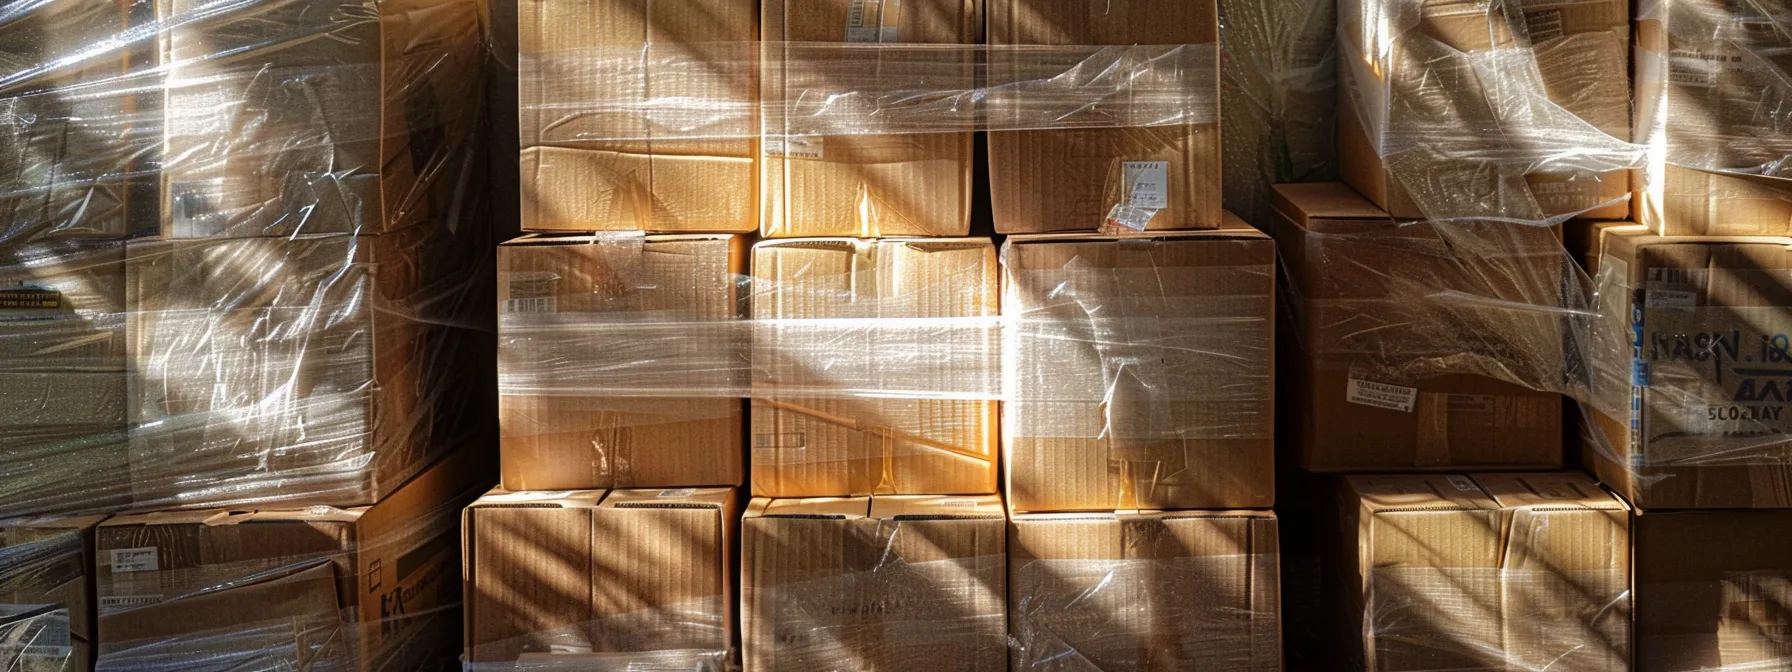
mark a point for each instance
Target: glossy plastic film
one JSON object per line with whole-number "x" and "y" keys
{"x": 44, "y": 622}
{"x": 242, "y": 263}
{"x": 1429, "y": 619}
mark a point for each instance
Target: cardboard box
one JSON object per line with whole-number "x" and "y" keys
{"x": 1690, "y": 367}
{"x": 909, "y": 184}
{"x": 595, "y": 157}
{"x": 1424, "y": 133}
{"x": 1711, "y": 587}
{"x": 1143, "y": 371}
{"x": 1716, "y": 160}
{"x": 1496, "y": 571}
{"x": 1364, "y": 298}
{"x": 629, "y": 303}
{"x": 631, "y": 571}
{"x": 1073, "y": 179}
{"x": 345, "y": 359}
{"x": 336, "y": 116}
{"x": 873, "y": 583}
{"x": 356, "y": 588}
{"x": 1122, "y": 590}
{"x": 871, "y": 373}
{"x": 46, "y": 594}
{"x": 62, "y": 307}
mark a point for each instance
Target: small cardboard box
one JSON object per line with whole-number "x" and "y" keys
{"x": 874, "y": 583}
{"x": 1362, "y": 294}
{"x": 1125, "y": 590}
{"x": 362, "y": 587}
{"x": 877, "y": 368}
{"x": 1142, "y": 369}
{"x": 1044, "y": 181}
{"x": 555, "y": 576}
{"x": 579, "y": 309}
{"x": 595, "y": 157}
{"x": 1411, "y": 74}
{"x": 1690, "y": 392}
{"x": 46, "y": 593}
{"x": 1497, "y": 571}
{"x": 1711, "y": 589}
{"x": 871, "y": 185}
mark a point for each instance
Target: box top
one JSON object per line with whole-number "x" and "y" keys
{"x": 670, "y": 498}
{"x": 845, "y": 244}
{"x": 557, "y": 499}
{"x": 1419, "y": 492}
{"x": 809, "y": 507}
{"x": 936, "y": 507}
{"x": 1231, "y": 227}
{"x": 550, "y": 239}
{"x": 221, "y": 517}
{"x": 1550, "y": 490}
{"x": 1328, "y": 207}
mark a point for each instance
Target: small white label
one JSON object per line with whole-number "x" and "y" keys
{"x": 540, "y": 304}
{"x": 1462, "y": 483}
{"x": 135, "y": 560}
{"x": 1147, "y": 184}
{"x": 117, "y": 603}
{"x": 679, "y": 493}
{"x": 794, "y": 147}
{"x": 960, "y": 503}
{"x": 1670, "y": 298}
{"x": 1381, "y": 395}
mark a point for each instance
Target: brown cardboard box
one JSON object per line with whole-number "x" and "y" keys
{"x": 356, "y": 588}
{"x": 910, "y": 184}
{"x": 873, "y": 583}
{"x": 1363, "y": 296}
{"x": 1498, "y": 571}
{"x": 46, "y": 568}
{"x": 827, "y": 416}
{"x": 594, "y": 158}
{"x": 1716, "y": 165}
{"x": 1711, "y": 590}
{"x": 334, "y": 116}
{"x": 1699, "y": 322}
{"x": 559, "y": 441}
{"x": 1145, "y": 590}
{"x": 1143, "y": 371}
{"x": 553, "y": 576}
{"x": 1451, "y": 136}
{"x": 257, "y": 360}
{"x": 62, "y": 307}
{"x": 1071, "y": 180}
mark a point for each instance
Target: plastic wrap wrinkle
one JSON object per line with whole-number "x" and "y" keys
{"x": 646, "y": 640}
{"x": 889, "y": 614}
{"x": 1432, "y": 619}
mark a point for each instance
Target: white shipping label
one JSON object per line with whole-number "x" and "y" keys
{"x": 1381, "y": 395}
{"x": 1147, "y": 184}
{"x": 794, "y": 147}
{"x": 135, "y": 560}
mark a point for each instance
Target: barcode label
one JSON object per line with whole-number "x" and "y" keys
{"x": 543, "y": 304}
{"x": 144, "y": 559}
{"x": 1147, "y": 184}
{"x": 117, "y": 603}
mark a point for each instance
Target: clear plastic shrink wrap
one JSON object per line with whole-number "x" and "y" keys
{"x": 274, "y": 588}
{"x": 46, "y": 593}
{"x": 241, "y": 263}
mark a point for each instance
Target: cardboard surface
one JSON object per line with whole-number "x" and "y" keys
{"x": 836, "y": 442}
{"x": 1444, "y": 571}
{"x": 895, "y": 582}
{"x": 590, "y": 572}
{"x": 1710, "y": 589}
{"x": 911, "y": 184}
{"x": 559, "y": 441}
{"x": 1362, "y": 306}
{"x": 255, "y": 582}
{"x": 1092, "y": 429}
{"x": 1145, "y": 589}
{"x": 1071, "y": 180}
{"x": 609, "y": 166}
{"x": 1694, "y": 415}
{"x": 48, "y": 566}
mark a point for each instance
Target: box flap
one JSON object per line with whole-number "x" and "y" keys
{"x": 936, "y": 507}
{"x": 1563, "y": 490}
{"x": 809, "y": 507}
{"x": 687, "y": 498}
{"x": 1419, "y": 492}
{"x": 1328, "y": 207}
{"x": 565, "y": 499}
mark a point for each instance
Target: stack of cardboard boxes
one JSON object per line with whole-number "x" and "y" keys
{"x": 237, "y": 272}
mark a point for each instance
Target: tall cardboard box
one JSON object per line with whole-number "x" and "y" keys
{"x": 577, "y": 577}
{"x": 874, "y": 583}
{"x": 62, "y": 377}
{"x": 1145, "y": 590}
{"x": 1451, "y": 109}
{"x": 359, "y": 588}
{"x": 46, "y": 594}
{"x": 1706, "y": 73}
{"x": 875, "y": 370}
{"x": 1690, "y": 367}
{"x": 601, "y": 152}
{"x": 1142, "y": 370}
{"x": 900, "y": 184}
{"x": 1496, "y": 571}
{"x": 1151, "y": 177}
{"x": 335, "y": 116}
{"x": 1371, "y": 300}
{"x": 1711, "y": 590}
{"x": 585, "y": 314}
